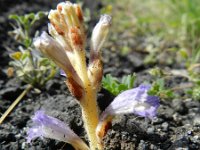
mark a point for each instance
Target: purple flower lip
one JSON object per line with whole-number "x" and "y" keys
{"x": 50, "y": 127}
{"x": 45, "y": 126}
{"x": 136, "y": 101}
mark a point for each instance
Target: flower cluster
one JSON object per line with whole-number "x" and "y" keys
{"x": 66, "y": 47}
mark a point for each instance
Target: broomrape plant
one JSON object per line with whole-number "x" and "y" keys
{"x": 66, "y": 47}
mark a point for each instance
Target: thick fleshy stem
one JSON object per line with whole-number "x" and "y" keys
{"x": 89, "y": 109}
{"x": 90, "y": 116}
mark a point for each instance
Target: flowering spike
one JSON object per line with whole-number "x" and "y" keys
{"x": 67, "y": 29}
{"x": 67, "y": 49}
{"x": 136, "y": 101}
{"x": 65, "y": 20}
{"x": 50, "y": 127}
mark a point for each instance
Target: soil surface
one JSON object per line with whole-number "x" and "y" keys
{"x": 177, "y": 125}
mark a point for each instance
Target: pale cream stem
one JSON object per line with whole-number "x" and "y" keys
{"x": 79, "y": 145}
{"x": 90, "y": 116}
{"x": 88, "y": 104}
{"x": 81, "y": 66}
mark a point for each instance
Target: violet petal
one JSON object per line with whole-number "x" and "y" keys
{"x": 135, "y": 101}
{"x": 50, "y": 127}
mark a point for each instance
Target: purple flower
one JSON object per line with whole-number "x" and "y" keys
{"x": 50, "y": 127}
{"x": 135, "y": 101}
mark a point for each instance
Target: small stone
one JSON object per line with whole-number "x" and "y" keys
{"x": 124, "y": 136}
{"x": 196, "y": 120}
{"x": 196, "y": 137}
{"x": 179, "y": 106}
{"x": 142, "y": 145}
{"x": 181, "y": 144}
{"x": 23, "y": 145}
{"x": 165, "y": 126}
{"x": 150, "y": 130}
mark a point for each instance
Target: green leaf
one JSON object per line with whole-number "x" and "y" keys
{"x": 44, "y": 62}
{"x": 158, "y": 88}
{"x": 24, "y": 56}
{"x": 14, "y": 17}
{"x": 116, "y": 86}
{"x": 122, "y": 87}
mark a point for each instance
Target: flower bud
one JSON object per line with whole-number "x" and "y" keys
{"x": 52, "y": 49}
{"x": 99, "y": 34}
{"x": 95, "y": 73}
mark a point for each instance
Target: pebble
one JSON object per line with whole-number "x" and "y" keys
{"x": 196, "y": 120}
{"x": 150, "y": 130}
{"x": 142, "y": 145}
{"x": 23, "y": 145}
{"x": 181, "y": 144}
{"x": 165, "y": 126}
{"x": 196, "y": 137}
{"x": 178, "y": 105}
